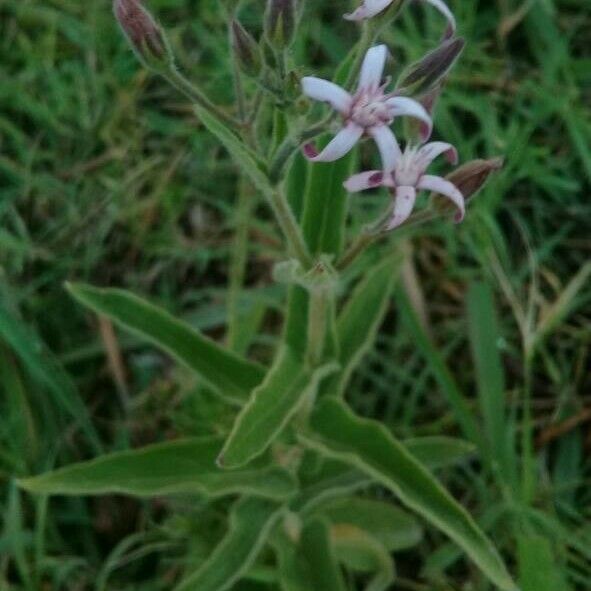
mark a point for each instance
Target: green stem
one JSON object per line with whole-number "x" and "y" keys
{"x": 290, "y": 228}
{"x": 291, "y": 145}
{"x": 355, "y": 249}
{"x": 527, "y": 445}
{"x": 317, "y": 324}
{"x": 194, "y": 94}
{"x": 368, "y": 34}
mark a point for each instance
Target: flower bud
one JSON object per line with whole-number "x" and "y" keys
{"x": 145, "y": 36}
{"x": 424, "y": 75}
{"x": 280, "y": 23}
{"x": 246, "y": 50}
{"x": 472, "y": 176}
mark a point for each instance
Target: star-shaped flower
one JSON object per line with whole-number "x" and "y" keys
{"x": 369, "y": 111}
{"x": 371, "y": 8}
{"x": 405, "y": 175}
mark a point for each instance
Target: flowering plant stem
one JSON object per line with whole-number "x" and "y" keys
{"x": 290, "y": 227}
{"x": 294, "y": 447}
{"x": 195, "y": 95}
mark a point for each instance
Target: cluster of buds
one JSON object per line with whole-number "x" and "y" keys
{"x": 371, "y": 110}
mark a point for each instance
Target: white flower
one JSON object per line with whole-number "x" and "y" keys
{"x": 370, "y": 8}
{"x": 405, "y": 174}
{"x": 369, "y": 111}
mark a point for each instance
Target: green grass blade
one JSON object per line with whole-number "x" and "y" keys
{"x": 484, "y": 336}
{"x": 440, "y": 370}
{"x": 226, "y": 373}
{"x": 538, "y": 570}
{"x": 287, "y": 386}
{"x": 184, "y": 466}
{"x": 46, "y": 370}
{"x": 250, "y": 524}
{"x": 337, "y": 432}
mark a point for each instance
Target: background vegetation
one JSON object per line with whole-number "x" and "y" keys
{"x": 107, "y": 177}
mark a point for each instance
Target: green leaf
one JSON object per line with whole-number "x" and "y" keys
{"x": 287, "y": 386}
{"x": 538, "y": 570}
{"x": 293, "y": 575}
{"x": 184, "y": 466}
{"x": 317, "y": 550}
{"x": 46, "y": 371}
{"x": 360, "y": 319}
{"x": 441, "y": 372}
{"x": 246, "y": 159}
{"x": 484, "y": 337}
{"x": 438, "y": 452}
{"x": 368, "y": 446}
{"x": 358, "y": 550}
{"x": 393, "y": 527}
{"x": 226, "y": 373}
{"x": 325, "y": 205}
{"x": 250, "y": 524}
{"x": 335, "y": 479}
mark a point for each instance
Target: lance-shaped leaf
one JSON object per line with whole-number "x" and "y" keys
{"x": 337, "y": 432}
{"x": 360, "y": 319}
{"x": 318, "y": 552}
{"x": 250, "y": 524}
{"x": 287, "y": 386}
{"x": 184, "y": 466}
{"x": 438, "y": 452}
{"x": 226, "y": 373}
{"x": 359, "y": 550}
{"x": 393, "y": 527}
{"x": 336, "y": 479}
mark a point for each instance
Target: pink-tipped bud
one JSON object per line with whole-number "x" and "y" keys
{"x": 424, "y": 75}
{"x": 246, "y": 50}
{"x": 144, "y": 34}
{"x": 280, "y": 23}
{"x": 472, "y": 176}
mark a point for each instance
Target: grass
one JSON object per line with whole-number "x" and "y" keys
{"x": 106, "y": 177}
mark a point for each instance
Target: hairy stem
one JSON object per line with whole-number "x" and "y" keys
{"x": 183, "y": 85}
{"x": 317, "y": 324}
{"x": 290, "y": 228}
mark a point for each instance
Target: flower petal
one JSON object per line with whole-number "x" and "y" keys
{"x": 368, "y": 9}
{"x": 341, "y": 144}
{"x": 447, "y": 13}
{"x": 429, "y": 152}
{"x": 364, "y": 181}
{"x": 440, "y": 186}
{"x": 327, "y": 92}
{"x": 401, "y": 106}
{"x": 387, "y": 145}
{"x": 372, "y": 68}
{"x": 403, "y": 206}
